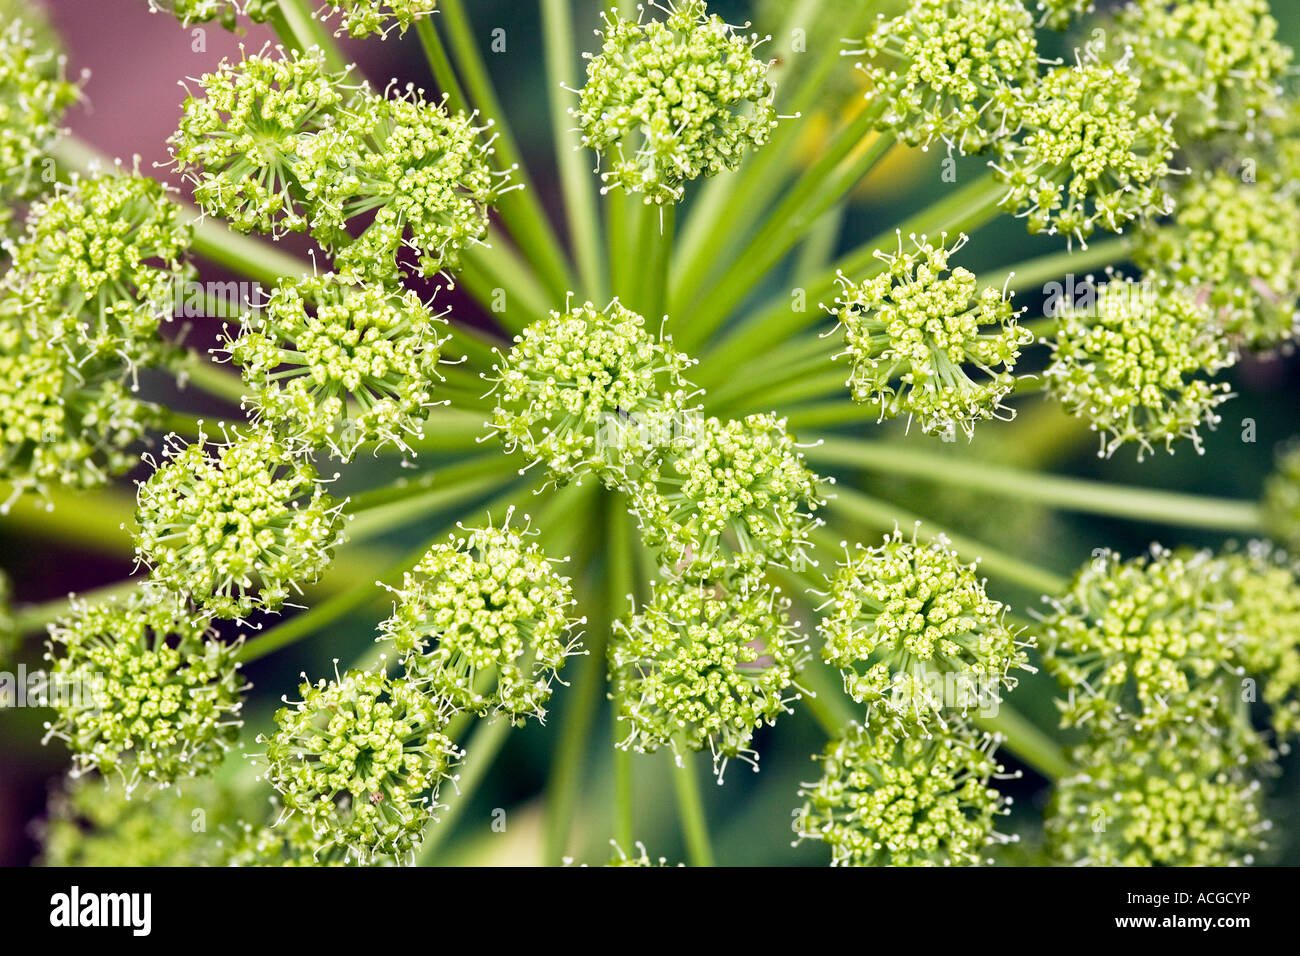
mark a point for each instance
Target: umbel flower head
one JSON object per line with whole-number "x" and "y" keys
{"x": 332, "y": 362}
{"x": 64, "y": 422}
{"x": 589, "y": 391}
{"x": 948, "y": 69}
{"x": 668, "y": 101}
{"x": 143, "y": 688}
{"x": 925, "y": 343}
{"x": 740, "y": 485}
{"x": 99, "y": 265}
{"x": 1145, "y": 644}
{"x": 484, "y": 621}
{"x": 1132, "y": 364}
{"x": 1236, "y": 246}
{"x": 423, "y": 172}
{"x": 33, "y": 97}
{"x": 1280, "y": 503}
{"x": 242, "y": 142}
{"x": 892, "y": 796}
{"x": 1086, "y": 156}
{"x": 363, "y": 17}
{"x": 1260, "y": 589}
{"x": 95, "y": 821}
{"x": 237, "y": 526}
{"x": 361, "y": 758}
{"x": 1166, "y": 799}
{"x": 1215, "y": 67}
{"x": 900, "y": 614}
{"x": 706, "y": 662}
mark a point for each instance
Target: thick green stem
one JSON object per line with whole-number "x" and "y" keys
{"x": 575, "y": 178}
{"x": 1034, "y": 273}
{"x": 690, "y": 810}
{"x": 212, "y": 379}
{"x": 481, "y": 751}
{"x": 297, "y": 28}
{"x": 1072, "y": 494}
{"x": 619, "y": 586}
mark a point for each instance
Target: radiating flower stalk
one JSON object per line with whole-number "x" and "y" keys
{"x": 683, "y": 559}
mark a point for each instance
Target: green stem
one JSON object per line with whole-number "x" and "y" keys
{"x": 618, "y": 592}
{"x": 481, "y": 751}
{"x": 440, "y": 65}
{"x": 297, "y": 28}
{"x": 690, "y": 810}
{"x": 575, "y": 179}
{"x": 884, "y": 517}
{"x": 1026, "y": 741}
{"x": 1035, "y": 273}
{"x": 519, "y": 207}
{"x": 212, "y": 379}
{"x": 1073, "y": 494}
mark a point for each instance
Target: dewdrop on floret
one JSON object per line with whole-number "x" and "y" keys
{"x": 925, "y": 342}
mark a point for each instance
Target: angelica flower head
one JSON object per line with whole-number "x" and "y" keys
{"x": 143, "y": 688}
{"x": 64, "y": 421}
{"x": 948, "y": 69}
{"x": 243, "y": 143}
{"x": 361, "y": 759}
{"x": 363, "y": 17}
{"x": 1132, "y": 364}
{"x": 589, "y": 391}
{"x": 1145, "y": 644}
{"x": 1215, "y": 67}
{"x": 99, "y": 264}
{"x": 740, "y": 484}
{"x": 1167, "y": 799}
{"x": 925, "y": 343}
{"x": 898, "y": 614}
{"x": 668, "y": 101}
{"x": 706, "y": 662}
{"x": 34, "y": 94}
{"x": 485, "y": 622}
{"x": 1236, "y": 246}
{"x": 1086, "y": 155}
{"x": 332, "y": 362}
{"x": 892, "y": 796}
{"x": 1260, "y": 590}
{"x": 237, "y": 526}
{"x": 1280, "y": 503}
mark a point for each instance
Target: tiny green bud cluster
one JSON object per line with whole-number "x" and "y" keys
{"x": 888, "y": 797}
{"x": 589, "y": 391}
{"x": 484, "y": 622}
{"x": 668, "y": 101}
{"x": 949, "y": 69}
{"x": 237, "y": 527}
{"x": 143, "y": 688}
{"x": 897, "y": 614}
{"x": 365, "y": 17}
{"x": 1131, "y": 364}
{"x": 924, "y": 343}
{"x": 335, "y": 363}
{"x": 361, "y": 759}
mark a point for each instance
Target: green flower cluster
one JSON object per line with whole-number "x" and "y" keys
{"x": 143, "y": 688}
{"x": 889, "y": 797}
{"x": 34, "y": 94}
{"x": 950, "y": 70}
{"x": 589, "y": 391}
{"x": 1130, "y": 363}
{"x": 1087, "y": 155}
{"x": 1236, "y": 246}
{"x": 483, "y": 622}
{"x": 924, "y": 343}
{"x": 363, "y": 17}
{"x": 706, "y": 662}
{"x": 91, "y": 282}
{"x": 238, "y": 526}
{"x": 279, "y": 143}
{"x": 335, "y": 363}
{"x": 361, "y": 759}
{"x": 668, "y": 101}
{"x": 900, "y": 619}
